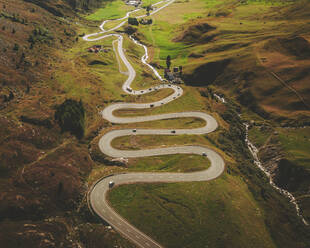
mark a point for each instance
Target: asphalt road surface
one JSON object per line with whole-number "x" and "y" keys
{"x": 98, "y": 193}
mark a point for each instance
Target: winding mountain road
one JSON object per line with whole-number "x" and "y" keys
{"x": 98, "y": 193}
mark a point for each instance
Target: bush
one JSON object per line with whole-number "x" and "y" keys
{"x": 133, "y": 21}
{"x": 16, "y": 47}
{"x": 130, "y": 30}
{"x": 40, "y": 34}
{"x": 70, "y": 116}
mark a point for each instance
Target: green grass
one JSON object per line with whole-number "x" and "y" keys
{"x": 151, "y": 141}
{"x": 98, "y": 83}
{"x": 208, "y": 214}
{"x": 159, "y": 35}
{"x": 174, "y": 122}
{"x": 258, "y": 136}
{"x": 112, "y": 10}
{"x": 212, "y": 214}
{"x": 296, "y": 144}
{"x": 75, "y": 80}
{"x": 190, "y": 16}
{"x": 220, "y": 213}
{"x": 149, "y": 2}
{"x": 171, "y": 163}
{"x": 136, "y": 142}
{"x": 190, "y": 101}
{"x": 111, "y": 24}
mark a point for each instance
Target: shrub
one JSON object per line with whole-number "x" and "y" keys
{"x": 70, "y": 116}
{"x": 133, "y": 21}
{"x": 40, "y": 34}
{"x": 16, "y": 47}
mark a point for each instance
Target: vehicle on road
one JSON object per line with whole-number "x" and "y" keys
{"x": 129, "y": 89}
{"x": 111, "y": 184}
{"x": 173, "y": 131}
{"x": 134, "y": 130}
{"x": 204, "y": 154}
{"x": 152, "y": 105}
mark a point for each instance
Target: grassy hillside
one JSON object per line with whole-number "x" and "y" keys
{"x": 225, "y": 47}
{"x": 212, "y": 214}
{"x": 111, "y": 10}
{"x": 42, "y": 170}
{"x": 241, "y": 200}
{"x": 237, "y": 47}
{"x": 249, "y": 52}
{"x": 284, "y": 151}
